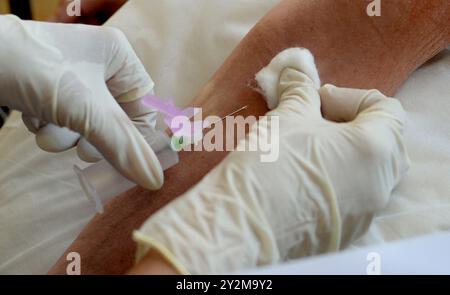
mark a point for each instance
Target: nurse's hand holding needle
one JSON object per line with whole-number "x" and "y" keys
{"x": 40, "y": 76}
{"x": 341, "y": 153}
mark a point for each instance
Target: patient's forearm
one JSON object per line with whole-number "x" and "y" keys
{"x": 351, "y": 50}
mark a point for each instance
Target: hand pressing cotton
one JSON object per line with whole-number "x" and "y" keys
{"x": 341, "y": 155}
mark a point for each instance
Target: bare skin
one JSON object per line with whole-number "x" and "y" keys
{"x": 93, "y": 12}
{"x": 351, "y": 49}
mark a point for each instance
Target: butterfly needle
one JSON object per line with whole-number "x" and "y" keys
{"x": 232, "y": 114}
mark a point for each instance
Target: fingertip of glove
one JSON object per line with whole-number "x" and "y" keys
{"x": 146, "y": 168}
{"x": 87, "y": 152}
{"x": 326, "y": 91}
{"x": 327, "y": 87}
{"x": 155, "y": 181}
{"x": 32, "y": 124}
{"x": 297, "y": 58}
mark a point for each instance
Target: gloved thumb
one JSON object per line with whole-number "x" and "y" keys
{"x": 298, "y": 94}
{"x": 346, "y": 104}
{"x": 108, "y": 128}
{"x": 341, "y": 104}
{"x": 290, "y": 69}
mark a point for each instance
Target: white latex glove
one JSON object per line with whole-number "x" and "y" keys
{"x": 75, "y": 76}
{"x": 321, "y": 194}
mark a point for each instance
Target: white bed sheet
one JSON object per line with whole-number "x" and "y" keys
{"x": 182, "y": 43}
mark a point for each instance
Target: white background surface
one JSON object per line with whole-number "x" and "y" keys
{"x": 182, "y": 43}
{"x": 421, "y": 256}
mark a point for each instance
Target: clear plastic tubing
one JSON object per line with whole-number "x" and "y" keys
{"x": 101, "y": 182}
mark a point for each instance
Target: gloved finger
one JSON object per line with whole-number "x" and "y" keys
{"x": 109, "y": 129}
{"x": 119, "y": 66}
{"x": 375, "y": 134}
{"x": 377, "y": 120}
{"x": 126, "y": 149}
{"x": 299, "y": 59}
{"x": 87, "y": 152}
{"x": 126, "y": 77}
{"x": 33, "y": 124}
{"x": 346, "y": 105}
{"x": 141, "y": 115}
{"x": 49, "y": 137}
{"x": 55, "y": 139}
{"x": 341, "y": 104}
{"x": 298, "y": 94}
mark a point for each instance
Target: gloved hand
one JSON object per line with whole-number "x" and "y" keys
{"x": 75, "y": 76}
{"x": 320, "y": 195}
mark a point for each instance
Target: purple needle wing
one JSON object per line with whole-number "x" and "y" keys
{"x": 168, "y": 109}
